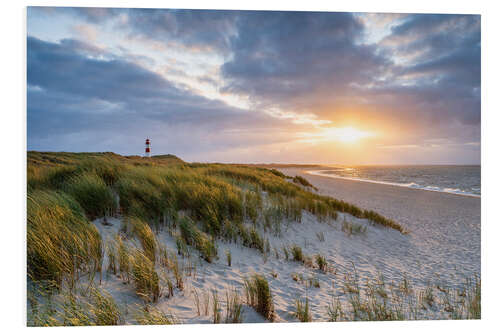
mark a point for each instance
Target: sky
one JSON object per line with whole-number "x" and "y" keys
{"x": 256, "y": 86}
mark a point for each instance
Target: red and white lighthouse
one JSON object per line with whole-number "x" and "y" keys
{"x": 147, "y": 152}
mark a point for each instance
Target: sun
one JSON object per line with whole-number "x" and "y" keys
{"x": 343, "y": 134}
{"x": 347, "y": 135}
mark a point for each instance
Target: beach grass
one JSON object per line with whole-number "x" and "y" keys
{"x": 95, "y": 307}
{"x": 216, "y": 308}
{"x": 198, "y": 204}
{"x": 234, "y": 307}
{"x": 92, "y": 193}
{"x": 145, "y": 236}
{"x": 202, "y": 242}
{"x": 302, "y": 181}
{"x": 62, "y": 243}
{"x": 258, "y": 295}
{"x": 321, "y": 262}
{"x": 352, "y": 228}
{"x": 144, "y": 276}
{"x": 152, "y": 316}
{"x": 302, "y": 311}
{"x": 297, "y": 254}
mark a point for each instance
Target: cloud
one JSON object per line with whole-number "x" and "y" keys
{"x": 86, "y": 31}
{"x": 288, "y": 59}
{"x": 73, "y": 95}
{"x": 92, "y": 14}
{"x": 444, "y": 80}
{"x": 315, "y": 62}
{"x": 198, "y": 29}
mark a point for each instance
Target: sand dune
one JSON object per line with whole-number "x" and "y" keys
{"x": 442, "y": 249}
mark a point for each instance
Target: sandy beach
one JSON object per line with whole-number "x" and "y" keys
{"x": 445, "y": 228}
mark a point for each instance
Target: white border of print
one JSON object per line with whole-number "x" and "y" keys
{"x": 13, "y": 162}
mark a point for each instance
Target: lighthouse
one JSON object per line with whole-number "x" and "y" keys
{"x": 147, "y": 152}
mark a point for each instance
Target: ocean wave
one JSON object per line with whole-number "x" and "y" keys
{"x": 327, "y": 173}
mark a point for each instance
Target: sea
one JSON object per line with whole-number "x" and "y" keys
{"x": 457, "y": 179}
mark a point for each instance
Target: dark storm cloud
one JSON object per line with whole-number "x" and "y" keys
{"x": 446, "y": 67}
{"x": 435, "y": 34}
{"x": 70, "y": 92}
{"x": 203, "y": 29}
{"x": 285, "y": 57}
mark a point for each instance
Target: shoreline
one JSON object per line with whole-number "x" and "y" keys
{"x": 318, "y": 173}
{"x": 355, "y": 190}
{"x": 446, "y": 228}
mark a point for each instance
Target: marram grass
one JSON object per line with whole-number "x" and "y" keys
{"x": 199, "y": 204}
{"x": 258, "y": 295}
{"x": 62, "y": 243}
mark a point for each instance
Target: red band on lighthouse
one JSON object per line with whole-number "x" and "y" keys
{"x": 148, "y": 149}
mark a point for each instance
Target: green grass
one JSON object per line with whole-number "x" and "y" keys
{"x": 296, "y": 252}
{"x": 62, "y": 244}
{"x": 473, "y": 298}
{"x": 258, "y": 295}
{"x": 253, "y": 205}
{"x": 381, "y": 220}
{"x": 352, "y": 228}
{"x": 145, "y": 193}
{"x": 105, "y": 310}
{"x": 217, "y": 196}
{"x": 216, "y": 308}
{"x": 219, "y": 202}
{"x": 302, "y": 181}
{"x": 321, "y": 262}
{"x": 152, "y": 316}
{"x": 234, "y": 307}
{"x": 228, "y": 257}
{"x": 49, "y": 178}
{"x": 112, "y": 257}
{"x": 178, "y": 273}
{"x": 145, "y": 236}
{"x": 194, "y": 237}
{"x": 144, "y": 276}
{"x": 279, "y": 174}
{"x": 302, "y": 311}
{"x": 123, "y": 255}
{"x": 334, "y": 310}
{"x": 375, "y": 303}
{"x": 93, "y": 308}
{"x": 251, "y": 238}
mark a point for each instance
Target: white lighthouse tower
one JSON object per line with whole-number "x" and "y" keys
{"x": 147, "y": 152}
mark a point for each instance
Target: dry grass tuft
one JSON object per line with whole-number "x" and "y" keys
{"x": 258, "y": 295}
{"x": 302, "y": 311}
